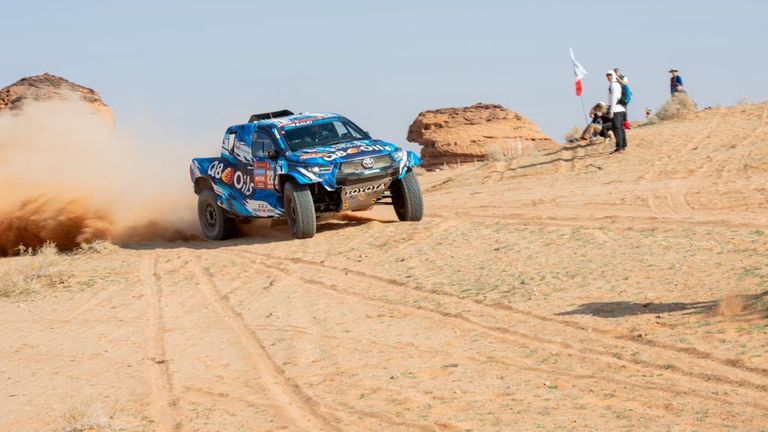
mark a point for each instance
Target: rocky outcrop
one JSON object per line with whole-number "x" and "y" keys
{"x": 477, "y": 132}
{"x": 47, "y": 87}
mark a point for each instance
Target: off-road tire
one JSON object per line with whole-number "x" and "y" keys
{"x": 215, "y": 223}
{"x": 299, "y": 210}
{"x": 406, "y": 198}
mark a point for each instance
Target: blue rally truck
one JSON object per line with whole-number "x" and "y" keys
{"x": 300, "y": 166}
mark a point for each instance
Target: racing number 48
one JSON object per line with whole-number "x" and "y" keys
{"x": 215, "y": 169}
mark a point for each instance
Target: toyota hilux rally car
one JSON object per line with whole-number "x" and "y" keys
{"x": 300, "y": 166}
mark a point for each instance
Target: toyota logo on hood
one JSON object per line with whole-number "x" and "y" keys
{"x": 368, "y": 162}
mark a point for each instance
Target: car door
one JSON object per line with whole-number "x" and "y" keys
{"x": 265, "y": 197}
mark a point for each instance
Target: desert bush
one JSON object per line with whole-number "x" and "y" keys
{"x": 97, "y": 247}
{"x": 573, "y": 134}
{"x": 677, "y": 106}
{"x": 508, "y": 151}
{"x": 33, "y": 268}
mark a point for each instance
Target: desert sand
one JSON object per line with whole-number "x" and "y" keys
{"x": 569, "y": 290}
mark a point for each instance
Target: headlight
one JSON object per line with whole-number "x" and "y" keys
{"x": 400, "y": 155}
{"x": 321, "y": 169}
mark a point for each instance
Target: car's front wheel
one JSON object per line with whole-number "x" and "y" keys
{"x": 214, "y": 221}
{"x": 299, "y": 210}
{"x": 406, "y": 198}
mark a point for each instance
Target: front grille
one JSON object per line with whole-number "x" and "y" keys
{"x": 356, "y": 166}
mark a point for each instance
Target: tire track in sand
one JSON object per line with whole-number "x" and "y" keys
{"x": 690, "y": 351}
{"x": 294, "y": 403}
{"x": 607, "y": 355}
{"x": 164, "y": 401}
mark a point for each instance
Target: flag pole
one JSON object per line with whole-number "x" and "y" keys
{"x": 579, "y": 72}
{"x": 584, "y": 108}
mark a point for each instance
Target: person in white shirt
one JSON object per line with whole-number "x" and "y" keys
{"x": 616, "y": 112}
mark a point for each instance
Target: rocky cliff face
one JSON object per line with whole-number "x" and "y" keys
{"x": 47, "y": 87}
{"x": 477, "y": 132}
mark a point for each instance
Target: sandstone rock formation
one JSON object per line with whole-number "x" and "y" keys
{"x": 477, "y": 132}
{"x": 47, "y": 87}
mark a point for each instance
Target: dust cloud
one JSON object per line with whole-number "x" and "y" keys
{"x": 69, "y": 177}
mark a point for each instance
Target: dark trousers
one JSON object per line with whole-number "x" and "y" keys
{"x": 618, "y": 130}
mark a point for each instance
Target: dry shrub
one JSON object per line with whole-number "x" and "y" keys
{"x": 676, "y": 107}
{"x": 34, "y": 268}
{"x": 573, "y": 135}
{"x": 509, "y": 151}
{"x": 80, "y": 417}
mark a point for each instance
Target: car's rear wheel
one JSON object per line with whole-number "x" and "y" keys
{"x": 214, "y": 221}
{"x": 406, "y": 198}
{"x": 299, "y": 210}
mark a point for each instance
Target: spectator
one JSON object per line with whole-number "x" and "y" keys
{"x": 675, "y": 82}
{"x": 621, "y": 78}
{"x": 624, "y": 81}
{"x": 616, "y": 112}
{"x": 600, "y": 123}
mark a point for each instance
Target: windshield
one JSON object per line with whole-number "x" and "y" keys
{"x": 321, "y": 133}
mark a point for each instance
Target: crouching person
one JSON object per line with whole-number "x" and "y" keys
{"x": 600, "y": 125}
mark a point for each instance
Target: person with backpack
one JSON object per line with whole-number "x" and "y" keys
{"x": 626, "y": 94}
{"x": 616, "y": 111}
{"x": 675, "y": 82}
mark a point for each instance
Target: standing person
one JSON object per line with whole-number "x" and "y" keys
{"x": 675, "y": 82}
{"x": 616, "y": 111}
{"x": 621, "y": 78}
{"x": 626, "y": 94}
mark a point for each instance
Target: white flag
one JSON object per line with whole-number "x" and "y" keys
{"x": 578, "y": 72}
{"x": 578, "y": 69}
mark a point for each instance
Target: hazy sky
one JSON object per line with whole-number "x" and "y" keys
{"x": 191, "y": 68}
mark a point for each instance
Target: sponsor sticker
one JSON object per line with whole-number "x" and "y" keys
{"x": 311, "y": 155}
{"x": 363, "y": 196}
{"x": 263, "y": 175}
{"x": 259, "y": 208}
{"x": 366, "y": 189}
{"x": 229, "y": 176}
{"x": 352, "y": 150}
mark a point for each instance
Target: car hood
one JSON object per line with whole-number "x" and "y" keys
{"x": 342, "y": 152}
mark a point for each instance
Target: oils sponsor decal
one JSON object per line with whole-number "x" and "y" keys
{"x": 231, "y": 177}
{"x": 365, "y": 148}
{"x": 227, "y": 175}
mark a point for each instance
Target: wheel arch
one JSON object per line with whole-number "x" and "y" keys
{"x": 283, "y": 179}
{"x": 201, "y": 184}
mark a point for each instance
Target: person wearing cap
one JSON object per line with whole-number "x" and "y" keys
{"x": 675, "y": 82}
{"x": 616, "y": 112}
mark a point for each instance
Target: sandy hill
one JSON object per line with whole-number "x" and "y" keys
{"x": 567, "y": 289}
{"x": 711, "y": 166}
{"x": 47, "y": 87}
{"x": 474, "y": 133}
